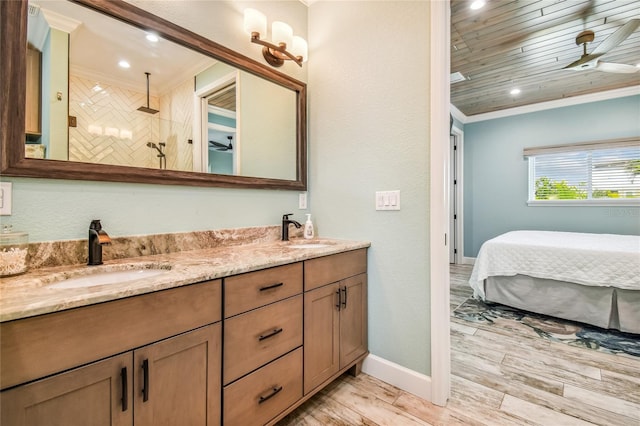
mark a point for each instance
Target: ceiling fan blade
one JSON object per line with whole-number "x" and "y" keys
{"x": 584, "y": 63}
{"x": 617, "y": 68}
{"x": 616, "y": 38}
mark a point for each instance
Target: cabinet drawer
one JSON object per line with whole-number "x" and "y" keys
{"x": 35, "y": 347}
{"x": 257, "y": 337}
{"x": 254, "y": 289}
{"x": 263, "y": 394}
{"x": 329, "y": 269}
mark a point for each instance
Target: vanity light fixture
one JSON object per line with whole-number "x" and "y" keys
{"x": 275, "y": 52}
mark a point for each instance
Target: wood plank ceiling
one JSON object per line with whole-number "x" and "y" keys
{"x": 526, "y": 43}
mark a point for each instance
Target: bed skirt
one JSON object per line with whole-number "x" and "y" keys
{"x": 605, "y": 307}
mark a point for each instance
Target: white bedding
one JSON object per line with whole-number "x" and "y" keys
{"x": 590, "y": 259}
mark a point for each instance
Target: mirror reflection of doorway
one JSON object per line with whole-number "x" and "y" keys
{"x": 221, "y": 130}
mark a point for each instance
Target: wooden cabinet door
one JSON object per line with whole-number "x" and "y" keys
{"x": 321, "y": 332}
{"x": 353, "y": 319}
{"x": 87, "y": 396}
{"x": 177, "y": 380}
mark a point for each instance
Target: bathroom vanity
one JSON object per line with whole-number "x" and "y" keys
{"x": 238, "y": 335}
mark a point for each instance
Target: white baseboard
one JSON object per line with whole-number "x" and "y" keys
{"x": 398, "y": 376}
{"x": 468, "y": 260}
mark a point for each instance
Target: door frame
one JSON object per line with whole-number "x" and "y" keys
{"x": 457, "y": 191}
{"x": 439, "y": 107}
{"x": 200, "y": 120}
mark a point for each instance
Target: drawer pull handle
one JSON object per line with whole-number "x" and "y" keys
{"x": 145, "y": 375}
{"x": 273, "y": 393}
{"x": 269, "y": 287}
{"x": 273, "y": 333}
{"x": 125, "y": 389}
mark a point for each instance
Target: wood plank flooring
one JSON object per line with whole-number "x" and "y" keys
{"x": 498, "y": 378}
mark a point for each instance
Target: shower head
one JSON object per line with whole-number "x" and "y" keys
{"x": 146, "y": 108}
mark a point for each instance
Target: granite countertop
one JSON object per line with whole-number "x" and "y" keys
{"x": 30, "y": 295}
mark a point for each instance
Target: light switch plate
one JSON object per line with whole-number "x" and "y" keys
{"x": 5, "y": 198}
{"x": 388, "y": 200}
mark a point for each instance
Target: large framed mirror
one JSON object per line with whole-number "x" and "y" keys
{"x": 186, "y": 110}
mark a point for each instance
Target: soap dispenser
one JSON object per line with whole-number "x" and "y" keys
{"x": 308, "y": 228}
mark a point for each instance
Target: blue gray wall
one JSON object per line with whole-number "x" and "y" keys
{"x": 369, "y": 131}
{"x": 496, "y": 173}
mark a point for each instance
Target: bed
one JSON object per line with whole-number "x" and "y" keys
{"x": 589, "y": 278}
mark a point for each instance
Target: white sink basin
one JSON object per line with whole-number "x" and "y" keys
{"x": 309, "y": 245}
{"x": 110, "y": 277}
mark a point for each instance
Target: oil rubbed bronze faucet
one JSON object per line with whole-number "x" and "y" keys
{"x": 97, "y": 238}
{"x": 285, "y": 225}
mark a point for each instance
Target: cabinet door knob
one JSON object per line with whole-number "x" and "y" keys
{"x": 273, "y": 393}
{"x": 145, "y": 375}
{"x": 125, "y": 389}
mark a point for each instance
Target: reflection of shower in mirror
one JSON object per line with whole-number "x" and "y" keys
{"x": 162, "y": 158}
{"x": 147, "y": 108}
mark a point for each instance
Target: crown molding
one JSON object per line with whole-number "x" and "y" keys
{"x": 542, "y": 106}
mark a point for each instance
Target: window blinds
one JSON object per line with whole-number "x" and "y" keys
{"x": 586, "y": 171}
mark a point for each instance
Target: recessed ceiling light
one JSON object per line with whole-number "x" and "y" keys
{"x": 152, "y": 37}
{"x": 477, "y": 4}
{"x": 515, "y": 91}
{"x": 124, "y": 64}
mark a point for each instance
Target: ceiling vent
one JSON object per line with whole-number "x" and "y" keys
{"x": 457, "y": 77}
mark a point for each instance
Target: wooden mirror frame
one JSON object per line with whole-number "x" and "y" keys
{"x": 13, "y": 46}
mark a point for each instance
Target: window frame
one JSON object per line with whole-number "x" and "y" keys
{"x": 578, "y": 147}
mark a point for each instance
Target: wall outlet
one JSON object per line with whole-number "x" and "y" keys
{"x": 302, "y": 200}
{"x": 5, "y": 198}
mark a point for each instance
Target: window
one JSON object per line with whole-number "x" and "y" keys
{"x": 596, "y": 173}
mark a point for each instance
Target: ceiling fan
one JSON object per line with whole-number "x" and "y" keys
{"x": 592, "y": 60}
{"x": 222, "y": 147}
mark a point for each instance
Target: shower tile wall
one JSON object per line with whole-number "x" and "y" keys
{"x": 110, "y": 129}
{"x": 176, "y": 128}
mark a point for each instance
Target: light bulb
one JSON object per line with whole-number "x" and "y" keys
{"x": 281, "y": 33}
{"x": 299, "y": 48}
{"x": 255, "y": 21}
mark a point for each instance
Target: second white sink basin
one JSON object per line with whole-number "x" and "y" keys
{"x": 109, "y": 277}
{"x": 309, "y": 245}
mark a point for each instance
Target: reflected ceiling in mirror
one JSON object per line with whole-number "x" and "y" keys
{"x": 206, "y": 115}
